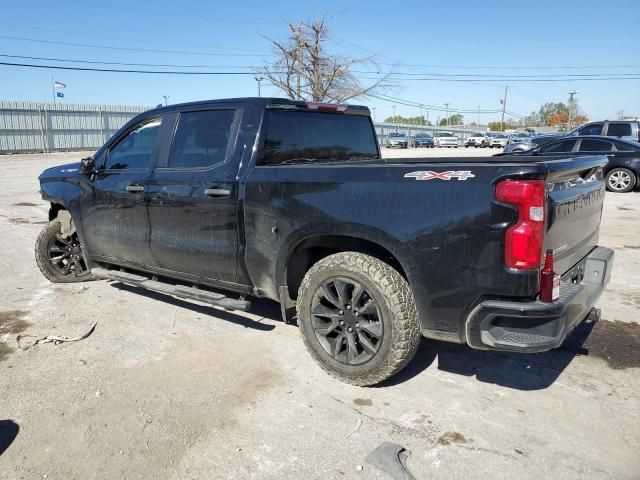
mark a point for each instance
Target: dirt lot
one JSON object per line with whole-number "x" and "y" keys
{"x": 169, "y": 389}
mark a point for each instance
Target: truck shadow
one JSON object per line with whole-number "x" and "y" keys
{"x": 519, "y": 371}
{"x": 260, "y": 307}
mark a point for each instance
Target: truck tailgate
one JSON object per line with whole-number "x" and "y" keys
{"x": 575, "y": 190}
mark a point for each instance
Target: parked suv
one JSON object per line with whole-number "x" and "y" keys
{"x": 477, "y": 140}
{"x": 622, "y": 129}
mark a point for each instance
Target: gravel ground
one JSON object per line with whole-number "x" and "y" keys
{"x": 169, "y": 389}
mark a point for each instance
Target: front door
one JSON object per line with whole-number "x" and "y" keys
{"x": 193, "y": 197}
{"x": 114, "y": 214}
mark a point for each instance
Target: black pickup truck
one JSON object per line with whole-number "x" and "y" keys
{"x": 219, "y": 201}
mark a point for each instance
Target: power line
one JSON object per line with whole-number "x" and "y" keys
{"x": 501, "y": 77}
{"x": 479, "y": 80}
{"x": 132, "y": 49}
{"x": 96, "y": 62}
{"x": 438, "y": 75}
{"x": 118, "y": 70}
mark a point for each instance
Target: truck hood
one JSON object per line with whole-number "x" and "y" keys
{"x": 61, "y": 171}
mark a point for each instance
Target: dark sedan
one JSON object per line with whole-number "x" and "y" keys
{"x": 622, "y": 173}
{"x": 423, "y": 141}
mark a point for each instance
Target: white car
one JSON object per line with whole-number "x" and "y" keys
{"x": 446, "y": 139}
{"x": 499, "y": 141}
{"x": 477, "y": 140}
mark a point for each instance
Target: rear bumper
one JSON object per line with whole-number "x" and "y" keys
{"x": 537, "y": 326}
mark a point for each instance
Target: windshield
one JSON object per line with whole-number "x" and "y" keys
{"x": 500, "y": 136}
{"x": 396, "y": 135}
{"x": 445, "y": 134}
{"x": 423, "y": 136}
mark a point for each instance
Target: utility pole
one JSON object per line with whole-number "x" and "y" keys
{"x": 394, "y": 117}
{"x": 259, "y": 79}
{"x": 620, "y": 114}
{"x": 374, "y": 114}
{"x": 504, "y": 105}
{"x": 572, "y": 105}
{"x": 165, "y": 99}
{"x": 421, "y": 117}
{"x": 447, "y": 105}
{"x": 53, "y": 89}
{"x": 478, "y": 116}
{"x": 427, "y": 117}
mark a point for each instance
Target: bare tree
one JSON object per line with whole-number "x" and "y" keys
{"x": 304, "y": 70}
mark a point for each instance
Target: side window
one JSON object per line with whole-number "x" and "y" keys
{"x": 590, "y": 145}
{"x": 134, "y": 150}
{"x": 591, "y": 129}
{"x": 619, "y": 129}
{"x": 563, "y": 146}
{"x": 623, "y": 147}
{"x": 202, "y": 139}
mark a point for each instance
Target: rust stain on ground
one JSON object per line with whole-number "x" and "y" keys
{"x": 5, "y": 350}
{"x": 451, "y": 437}
{"x": 363, "y": 402}
{"x": 18, "y": 221}
{"x": 616, "y": 342}
{"x": 11, "y": 321}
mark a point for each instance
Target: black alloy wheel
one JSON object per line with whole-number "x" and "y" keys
{"x": 347, "y": 321}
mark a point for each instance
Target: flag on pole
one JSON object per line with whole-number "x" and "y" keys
{"x": 60, "y": 94}
{"x": 59, "y": 85}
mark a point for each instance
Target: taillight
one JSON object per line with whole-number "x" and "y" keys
{"x": 523, "y": 241}
{"x": 326, "y": 107}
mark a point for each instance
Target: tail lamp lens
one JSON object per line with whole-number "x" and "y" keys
{"x": 524, "y": 240}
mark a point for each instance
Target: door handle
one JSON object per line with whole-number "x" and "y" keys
{"x": 218, "y": 192}
{"x": 134, "y": 188}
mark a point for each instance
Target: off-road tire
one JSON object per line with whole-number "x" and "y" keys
{"x": 391, "y": 291}
{"x": 42, "y": 257}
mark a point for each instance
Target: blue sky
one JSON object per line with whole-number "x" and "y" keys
{"x": 466, "y": 37}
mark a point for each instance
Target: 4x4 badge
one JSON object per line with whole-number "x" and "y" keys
{"x": 429, "y": 175}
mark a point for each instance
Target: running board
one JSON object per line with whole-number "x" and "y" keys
{"x": 179, "y": 291}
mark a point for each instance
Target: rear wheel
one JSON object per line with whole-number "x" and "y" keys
{"x": 60, "y": 258}
{"x": 358, "y": 318}
{"x": 621, "y": 180}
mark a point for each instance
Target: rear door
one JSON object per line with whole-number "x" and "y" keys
{"x": 193, "y": 194}
{"x": 114, "y": 214}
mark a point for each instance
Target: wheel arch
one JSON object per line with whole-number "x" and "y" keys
{"x": 309, "y": 250}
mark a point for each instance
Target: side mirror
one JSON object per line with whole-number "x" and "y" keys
{"x": 88, "y": 165}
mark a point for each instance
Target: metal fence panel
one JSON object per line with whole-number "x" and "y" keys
{"x": 46, "y": 127}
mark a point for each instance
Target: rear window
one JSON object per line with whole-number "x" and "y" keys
{"x": 619, "y": 130}
{"x": 558, "y": 147}
{"x": 590, "y": 145}
{"x": 298, "y": 136}
{"x": 626, "y": 147}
